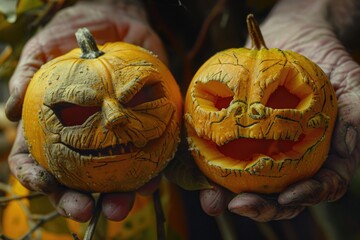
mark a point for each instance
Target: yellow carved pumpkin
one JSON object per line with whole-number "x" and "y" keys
{"x": 103, "y": 120}
{"x": 259, "y": 119}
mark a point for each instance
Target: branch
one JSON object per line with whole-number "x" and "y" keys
{"x": 215, "y": 11}
{"x": 160, "y": 218}
{"x": 226, "y": 227}
{"x": 6, "y": 200}
{"x": 94, "y": 220}
{"x": 42, "y": 220}
{"x": 191, "y": 54}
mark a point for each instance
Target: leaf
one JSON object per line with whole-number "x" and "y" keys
{"x": 183, "y": 171}
{"x": 11, "y": 9}
{"x": 8, "y": 10}
{"x": 9, "y": 56}
{"x": 5, "y": 52}
{"x": 27, "y": 5}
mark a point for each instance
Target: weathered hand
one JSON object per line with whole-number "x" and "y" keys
{"x": 302, "y": 26}
{"x": 108, "y": 23}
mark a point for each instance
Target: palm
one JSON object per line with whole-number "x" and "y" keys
{"x": 300, "y": 26}
{"x": 313, "y": 37}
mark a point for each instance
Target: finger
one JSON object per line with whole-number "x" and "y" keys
{"x": 116, "y": 206}
{"x": 142, "y": 35}
{"x": 344, "y": 77}
{"x": 71, "y": 204}
{"x": 154, "y": 44}
{"x": 150, "y": 187}
{"x": 26, "y": 170}
{"x": 95, "y": 18}
{"x": 75, "y": 205}
{"x": 329, "y": 184}
{"x": 260, "y": 209}
{"x": 345, "y": 138}
{"x": 215, "y": 200}
{"x": 30, "y": 61}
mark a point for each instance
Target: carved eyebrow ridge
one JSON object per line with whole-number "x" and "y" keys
{"x": 79, "y": 94}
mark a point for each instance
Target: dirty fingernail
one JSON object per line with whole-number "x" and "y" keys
{"x": 12, "y": 106}
{"x": 76, "y": 206}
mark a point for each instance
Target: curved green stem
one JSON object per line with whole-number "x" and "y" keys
{"x": 87, "y": 44}
{"x": 257, "y": 39}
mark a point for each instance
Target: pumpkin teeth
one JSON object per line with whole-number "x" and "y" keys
{"x": 245, "y": 148}
{"x": 122, "y": 149}
{"x": 107, "y": 151}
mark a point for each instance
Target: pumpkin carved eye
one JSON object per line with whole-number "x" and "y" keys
{"x": 276, "y": 99}
{"x": 213, "y": 95}
{"x": 148, "y": 93}
{"x": 291, "y": 93}
{"x": 71, "y": 114}
{"x": 222, "y": 102}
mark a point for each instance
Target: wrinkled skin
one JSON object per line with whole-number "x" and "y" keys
{"x": 302, "y": 27}
{"x": 108, "y": 23}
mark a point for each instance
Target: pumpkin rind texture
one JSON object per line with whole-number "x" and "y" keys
{"x": 259, "y": 120}
{"x": 105, "y": 124}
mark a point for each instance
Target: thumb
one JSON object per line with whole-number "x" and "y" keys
{"x": 346, "y": 135}
{"x": 31, "y": 60}
{"x": 346, "y": 131}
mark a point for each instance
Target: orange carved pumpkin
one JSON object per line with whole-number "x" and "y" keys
{"x": 259, "y": 119}
{"x": 103, "y": 119}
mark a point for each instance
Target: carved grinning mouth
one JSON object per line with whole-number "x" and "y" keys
{"x": 115, "y": 150}
{"x": 247, "y": 149}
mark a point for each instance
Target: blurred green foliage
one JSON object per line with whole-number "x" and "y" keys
{"x": 19, "y": 20}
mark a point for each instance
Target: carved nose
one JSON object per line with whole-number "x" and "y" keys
{"x": 257, "y": 111}
{"x": 113, "y": 114}
{"x": 239, "y": 108}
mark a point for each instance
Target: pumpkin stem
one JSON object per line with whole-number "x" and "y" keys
{"x": 90, "y": 230}
{"x": 257, "y": 40}
{"x": 87, "y": 44}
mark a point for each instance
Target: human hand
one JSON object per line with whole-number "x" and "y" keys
{"x": 302, "y": 26}
{"x": 108, "y": 23}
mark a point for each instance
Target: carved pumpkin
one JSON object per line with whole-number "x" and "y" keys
{"x": 259, "y": 119}
{"x": 103, "y": 120}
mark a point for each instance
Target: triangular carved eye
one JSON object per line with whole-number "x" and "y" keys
{"x": 71, "y": 114}
{"x": 148, "y": 93}
{"x": 281, "y": 98}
